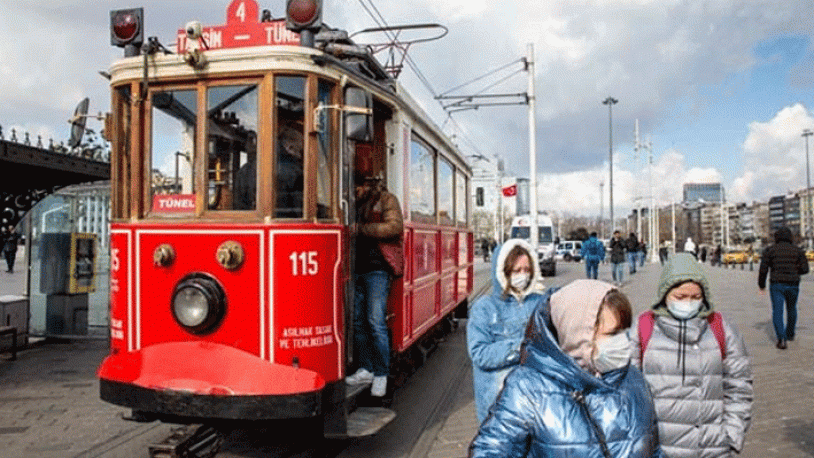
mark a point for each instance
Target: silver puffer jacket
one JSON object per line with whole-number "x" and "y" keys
{"x": 703, "y": 402}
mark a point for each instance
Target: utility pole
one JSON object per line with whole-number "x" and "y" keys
{"x": 533, "y": 233}
{"x": 602, "y": 209}
{"x": 636, "y": 200}
{"x": 807, "y": 133}
{"x": 610, "y": 101}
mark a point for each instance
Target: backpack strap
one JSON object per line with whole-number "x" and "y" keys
{"x": 716, "y": 323}
{"x": 646, "y": 322}
{"x": 648, "y": 319}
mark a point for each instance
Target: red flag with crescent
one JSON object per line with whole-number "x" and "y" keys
{"x": 510, "y": 191}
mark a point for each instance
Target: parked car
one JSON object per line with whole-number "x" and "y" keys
{"x": 734, "y": 257}
{"x": 569, "y": 250}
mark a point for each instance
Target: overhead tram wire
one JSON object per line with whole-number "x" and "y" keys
{"x": 489, "y": 73}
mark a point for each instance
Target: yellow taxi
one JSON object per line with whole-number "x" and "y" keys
{"x": 734, "y": 257}
{"x": 810, "y": 255}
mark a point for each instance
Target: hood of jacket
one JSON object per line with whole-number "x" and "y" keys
{"x": 679, "y": 269}
{"x": 783, "y": 235}
{"x": 573, "y": 311}
{"x": 499, "y": 280}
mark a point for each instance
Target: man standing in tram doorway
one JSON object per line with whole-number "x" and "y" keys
{"x": 379, "y": 258}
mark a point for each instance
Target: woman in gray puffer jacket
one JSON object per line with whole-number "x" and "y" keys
{"x": 697, "y": 366}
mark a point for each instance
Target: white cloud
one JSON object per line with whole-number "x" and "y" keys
{"x": 775, "y": 155}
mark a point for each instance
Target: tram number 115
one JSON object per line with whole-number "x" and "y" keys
{"x": 304, "y": 263}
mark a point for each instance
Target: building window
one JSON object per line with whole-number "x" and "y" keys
{"x": 479, "y": 196}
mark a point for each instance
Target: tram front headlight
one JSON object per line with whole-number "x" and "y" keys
{"x": 198, "y": 303}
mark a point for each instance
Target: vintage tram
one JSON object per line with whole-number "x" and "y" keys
{"x": 231, "y": 254}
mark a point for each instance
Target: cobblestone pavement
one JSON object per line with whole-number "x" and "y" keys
{"x": 783, "y": 412}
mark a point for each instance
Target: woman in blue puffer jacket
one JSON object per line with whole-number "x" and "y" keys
{"x": 497, "y": 322}
{"x": 574, "y": 394}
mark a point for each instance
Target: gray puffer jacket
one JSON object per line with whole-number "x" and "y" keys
{"x": 703, "y": 402}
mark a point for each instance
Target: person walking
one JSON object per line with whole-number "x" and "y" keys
{"x": 617, "y": 257}
{"x": 497, "y": 322}
{"x": 696, "y": 364}
{"x": 593, "y": 252}
{"x": 379, "y": 258}
{"x": 632, "y": 247}
{"x": 642, "y": 253}
{"x": 689, "y": 247}
{"x": 10, "y": 247}
{"x": 485, "y": 248}
{"x": 786, "y": 262}
{"x": 574, "y": 393}
{"x": 663, "y": 253}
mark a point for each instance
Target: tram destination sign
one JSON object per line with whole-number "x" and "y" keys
{"x": 243, "y": 29}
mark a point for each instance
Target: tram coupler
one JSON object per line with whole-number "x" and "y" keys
{"x": 193, "y": 441}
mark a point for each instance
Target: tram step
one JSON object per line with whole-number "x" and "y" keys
{"x": 366, "y": 421}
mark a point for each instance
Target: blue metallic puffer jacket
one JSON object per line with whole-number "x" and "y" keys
{"x": 551, "y": 407}
{"x": 495, "y": 329}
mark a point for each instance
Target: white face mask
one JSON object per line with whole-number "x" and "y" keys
{"x": 519, "y": 281}
{"x": 684, "y": 310}
{"x": 612, "y": 353}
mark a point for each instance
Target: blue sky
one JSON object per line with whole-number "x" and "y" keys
{"x": 722, "y": 89}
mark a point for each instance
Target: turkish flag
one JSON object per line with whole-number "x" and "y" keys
{"x": 510, "y": 191}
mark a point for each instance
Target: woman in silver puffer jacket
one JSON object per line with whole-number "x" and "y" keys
{"x": 699, "y": 371}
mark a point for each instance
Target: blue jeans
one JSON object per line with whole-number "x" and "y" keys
{"x": 616, "y": 269}
{"x": 631, "y": 259}
{"x": 779, "y": 293}
{"x": 370, "y": 339}
{"x": 591, "y": 269}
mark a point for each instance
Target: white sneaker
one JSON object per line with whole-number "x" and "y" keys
{"x": 361, "y": 377}
{"x": 379, "y": 387}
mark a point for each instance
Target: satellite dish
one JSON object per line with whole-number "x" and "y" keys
{"x": 80, "y": 117}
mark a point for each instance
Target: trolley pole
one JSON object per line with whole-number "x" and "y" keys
{"x": 533, "y": 232}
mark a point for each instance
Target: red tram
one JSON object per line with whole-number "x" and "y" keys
{"x": 232, "y": 168}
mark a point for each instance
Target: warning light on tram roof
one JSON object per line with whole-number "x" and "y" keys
{"x": 303, "y": 14}
{"x": 127, "y": 27}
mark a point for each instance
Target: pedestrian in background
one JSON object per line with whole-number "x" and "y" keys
{"x": 703, "y": 254}
{"x": 642, "y": 252}
{"x": 689, "y": 247}
{"x": 593, "y": 252}
{"x": 696, "y": 364}
{"x": 12, "y": 239}
{"x": 786, "y": 262}
{"x": 379, "y": 258}
{"x": 617, "y": 257}
{"x": 663, "y": 253}
{"x": 632, "y": 247}
{"x": 498, "y": 321}
{"x": 574, "y": 393}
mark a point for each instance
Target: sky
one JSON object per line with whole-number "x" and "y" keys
{"x": 722, "y": 89}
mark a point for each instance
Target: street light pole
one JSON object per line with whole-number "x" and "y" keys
{"x": 807, "y": 133}
{"x": 610, "y": 101}
{"x": 602, "y": 209}
{"x": 533, "y": 233}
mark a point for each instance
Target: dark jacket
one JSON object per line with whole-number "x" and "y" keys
{"x": 632, "y": 244}
{"x": 617, "y": 250}
{"x": 382, "y": 226}
{"x": 10, "y": 242}
{"x": 786, "y": 261}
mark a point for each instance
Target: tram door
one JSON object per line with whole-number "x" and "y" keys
{"x": 356, "y": 144}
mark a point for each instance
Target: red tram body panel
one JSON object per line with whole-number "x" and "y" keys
{"x": 230, "y": 309}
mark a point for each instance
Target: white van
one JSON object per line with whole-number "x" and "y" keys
{"x": 569, "y": 250}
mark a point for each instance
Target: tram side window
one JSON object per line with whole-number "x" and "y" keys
{"x": 232, "y": 147}
{"x": 174, "y": 124}
{"x": 289, "y": 170}
{"x": 460, "y": 199}
{"x": 422, "y": 184}
{"x": 324, "y": 161}
{"x": 446, "y": 190}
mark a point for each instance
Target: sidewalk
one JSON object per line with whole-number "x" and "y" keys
{"x": 783, "y": 410}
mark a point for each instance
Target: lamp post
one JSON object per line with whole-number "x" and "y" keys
{"x": 807, "y": 133}
{"x": 610, "y": 101}
{"x": 602, "y": 209}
